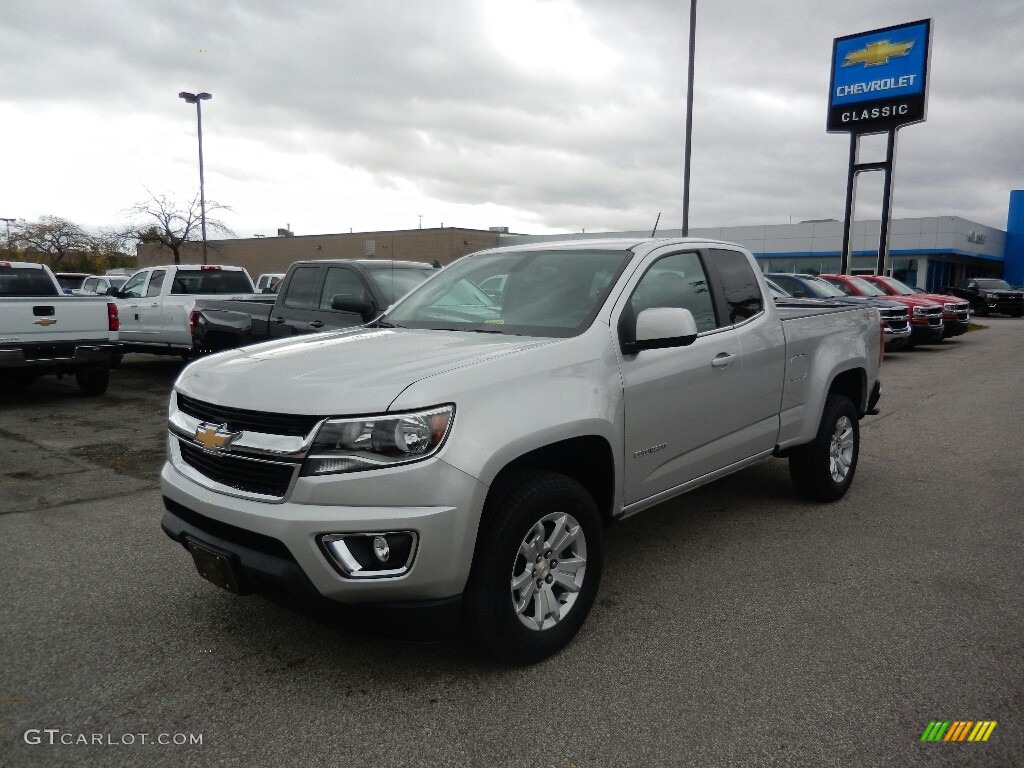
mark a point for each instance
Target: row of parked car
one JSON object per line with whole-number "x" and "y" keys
{"x": 909, "y": 315}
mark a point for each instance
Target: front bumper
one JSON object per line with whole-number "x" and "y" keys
{"x": 895, "y": 338}
{"x": 954, "y": 327}
{"x": 924, "y": 332}
{"x": 277, "y": 544}
{"x": 267, "y": 566}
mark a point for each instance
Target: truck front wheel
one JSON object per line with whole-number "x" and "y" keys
{"x": 537, "y": 566}
{"x": 823, "y": 469}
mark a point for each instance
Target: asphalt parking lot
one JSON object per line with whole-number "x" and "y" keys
{"x": 734, "y": 626}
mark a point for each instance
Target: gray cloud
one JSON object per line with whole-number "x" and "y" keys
{"x": 414, "y": 93}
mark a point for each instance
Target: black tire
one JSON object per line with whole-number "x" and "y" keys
{"x": 823, "y": 469}
{"x": 517, "y": 504}
{"x": 93, "y": 381}
{"x": 115, "y": 361}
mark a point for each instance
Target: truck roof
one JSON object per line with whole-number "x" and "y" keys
{"x": 608, "y": 243}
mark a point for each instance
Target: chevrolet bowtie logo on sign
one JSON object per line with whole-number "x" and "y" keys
{"x": 959, "y": 730}
{"x": 44, "y": 321}
{"x": 877, "y": 54}
{"x": 215, "y": 437}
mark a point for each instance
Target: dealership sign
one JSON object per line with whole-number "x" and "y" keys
{"x": 879, "y": 79}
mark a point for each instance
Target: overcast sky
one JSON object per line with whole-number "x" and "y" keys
{"x": 544, "y": 116}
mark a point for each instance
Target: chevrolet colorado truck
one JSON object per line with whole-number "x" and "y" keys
{"x": 314, "y": 296}
{"x": 43, "y": 331}
{"x": 156, "y": 303}
{"x": 455, "y": 462}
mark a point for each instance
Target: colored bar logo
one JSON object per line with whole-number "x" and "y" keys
{"x": 959, "y": 730}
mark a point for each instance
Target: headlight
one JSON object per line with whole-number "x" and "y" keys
{"x": 991, "y": 296}
{"x": 372, "y": 442}
{"x": 919, "y": 311}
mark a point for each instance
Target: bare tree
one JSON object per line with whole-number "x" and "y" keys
{"x": 53, "y": 238}
{"x": 161, "y": 220}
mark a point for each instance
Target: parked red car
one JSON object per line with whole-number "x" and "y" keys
{"x": 956, "y": 312}
{"x": 925, "y": 313}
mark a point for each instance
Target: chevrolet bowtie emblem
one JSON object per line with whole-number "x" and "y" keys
{"x": 44, "y": 321}
{"x": 876, "y": 54}
{"x": 215, "y": 437}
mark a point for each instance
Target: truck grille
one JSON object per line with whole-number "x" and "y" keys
{"x": 237, "y": 419}
{"x": 893, "y": 313}
{"x": 957, "y": 311}
{"x": 243, "y": 474}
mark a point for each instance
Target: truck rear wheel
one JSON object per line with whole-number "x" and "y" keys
{"x": 823, "y": 469}
{"x": 93, "y": 381}
{"x": 536, "y": 568}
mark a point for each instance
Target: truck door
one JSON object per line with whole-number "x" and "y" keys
{"x": 294, "y": 307}
{"x": 151, "y": 321}
{"x": 340, "y": 280}
{"x": 686, "y": 409}
{"x": 129, "y": 306}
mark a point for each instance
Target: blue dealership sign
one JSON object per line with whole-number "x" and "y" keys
{"x": 879, "y": 79}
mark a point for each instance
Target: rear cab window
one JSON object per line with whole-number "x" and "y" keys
{"x": 210, "y": 281}
{"x": 738, "y": 285}
{"x": 26, "y": 281}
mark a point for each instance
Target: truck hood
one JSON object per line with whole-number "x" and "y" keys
{"x": 345, "y": 373}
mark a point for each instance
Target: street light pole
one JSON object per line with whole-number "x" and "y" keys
{"x": 689, "y": 121}
{"x": 197, "y": 99}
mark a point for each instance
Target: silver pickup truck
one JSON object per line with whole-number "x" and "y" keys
{"x": 43, "y": 331}
{"x": 455, "y": 462}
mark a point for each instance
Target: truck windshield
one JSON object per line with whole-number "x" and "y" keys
{"x": 994, "y": 285}
{"x": 25, "y": 281}
{"x": 525, "y": 293}
{"x": 865, "y": 287}
{"x": 213, "y": 281}
{"x": 395, "y": 283}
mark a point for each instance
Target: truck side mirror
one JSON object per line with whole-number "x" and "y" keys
{"x": 112, "y": 291}
{"x": 358, "y": 304}
{"x": 662, "y": 328}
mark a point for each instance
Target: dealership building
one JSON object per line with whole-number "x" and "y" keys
{"x": 926, "y": 252}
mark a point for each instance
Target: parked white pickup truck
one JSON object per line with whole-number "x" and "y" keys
{"x": 43, "y": 331}
{"x": 459, "y": 458}
{"x": 155, "y": 304}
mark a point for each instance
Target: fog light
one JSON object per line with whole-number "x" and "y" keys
{"x": 370, "y": 555}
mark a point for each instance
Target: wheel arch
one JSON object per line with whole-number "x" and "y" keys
{"x": 853, "y": 384}
{"x": 587, "y": 459}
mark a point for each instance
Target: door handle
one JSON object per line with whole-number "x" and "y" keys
{"x": 279, "y": 320}
{"x": 722, "y": 360}
{"x": 157, "y": 304}
{"x": 316, "y": 323}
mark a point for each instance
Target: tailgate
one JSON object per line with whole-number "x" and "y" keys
{"x": 53, "y": 319}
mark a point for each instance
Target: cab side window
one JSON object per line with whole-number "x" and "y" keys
{"x": 302, "y": 288}
{"x": 341, "y": 281}
{"x": 740, "y": 289}
{"x": 679, "y": 281}
{"x": 155, "y": 283}
{"x": 133, "y": 288}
